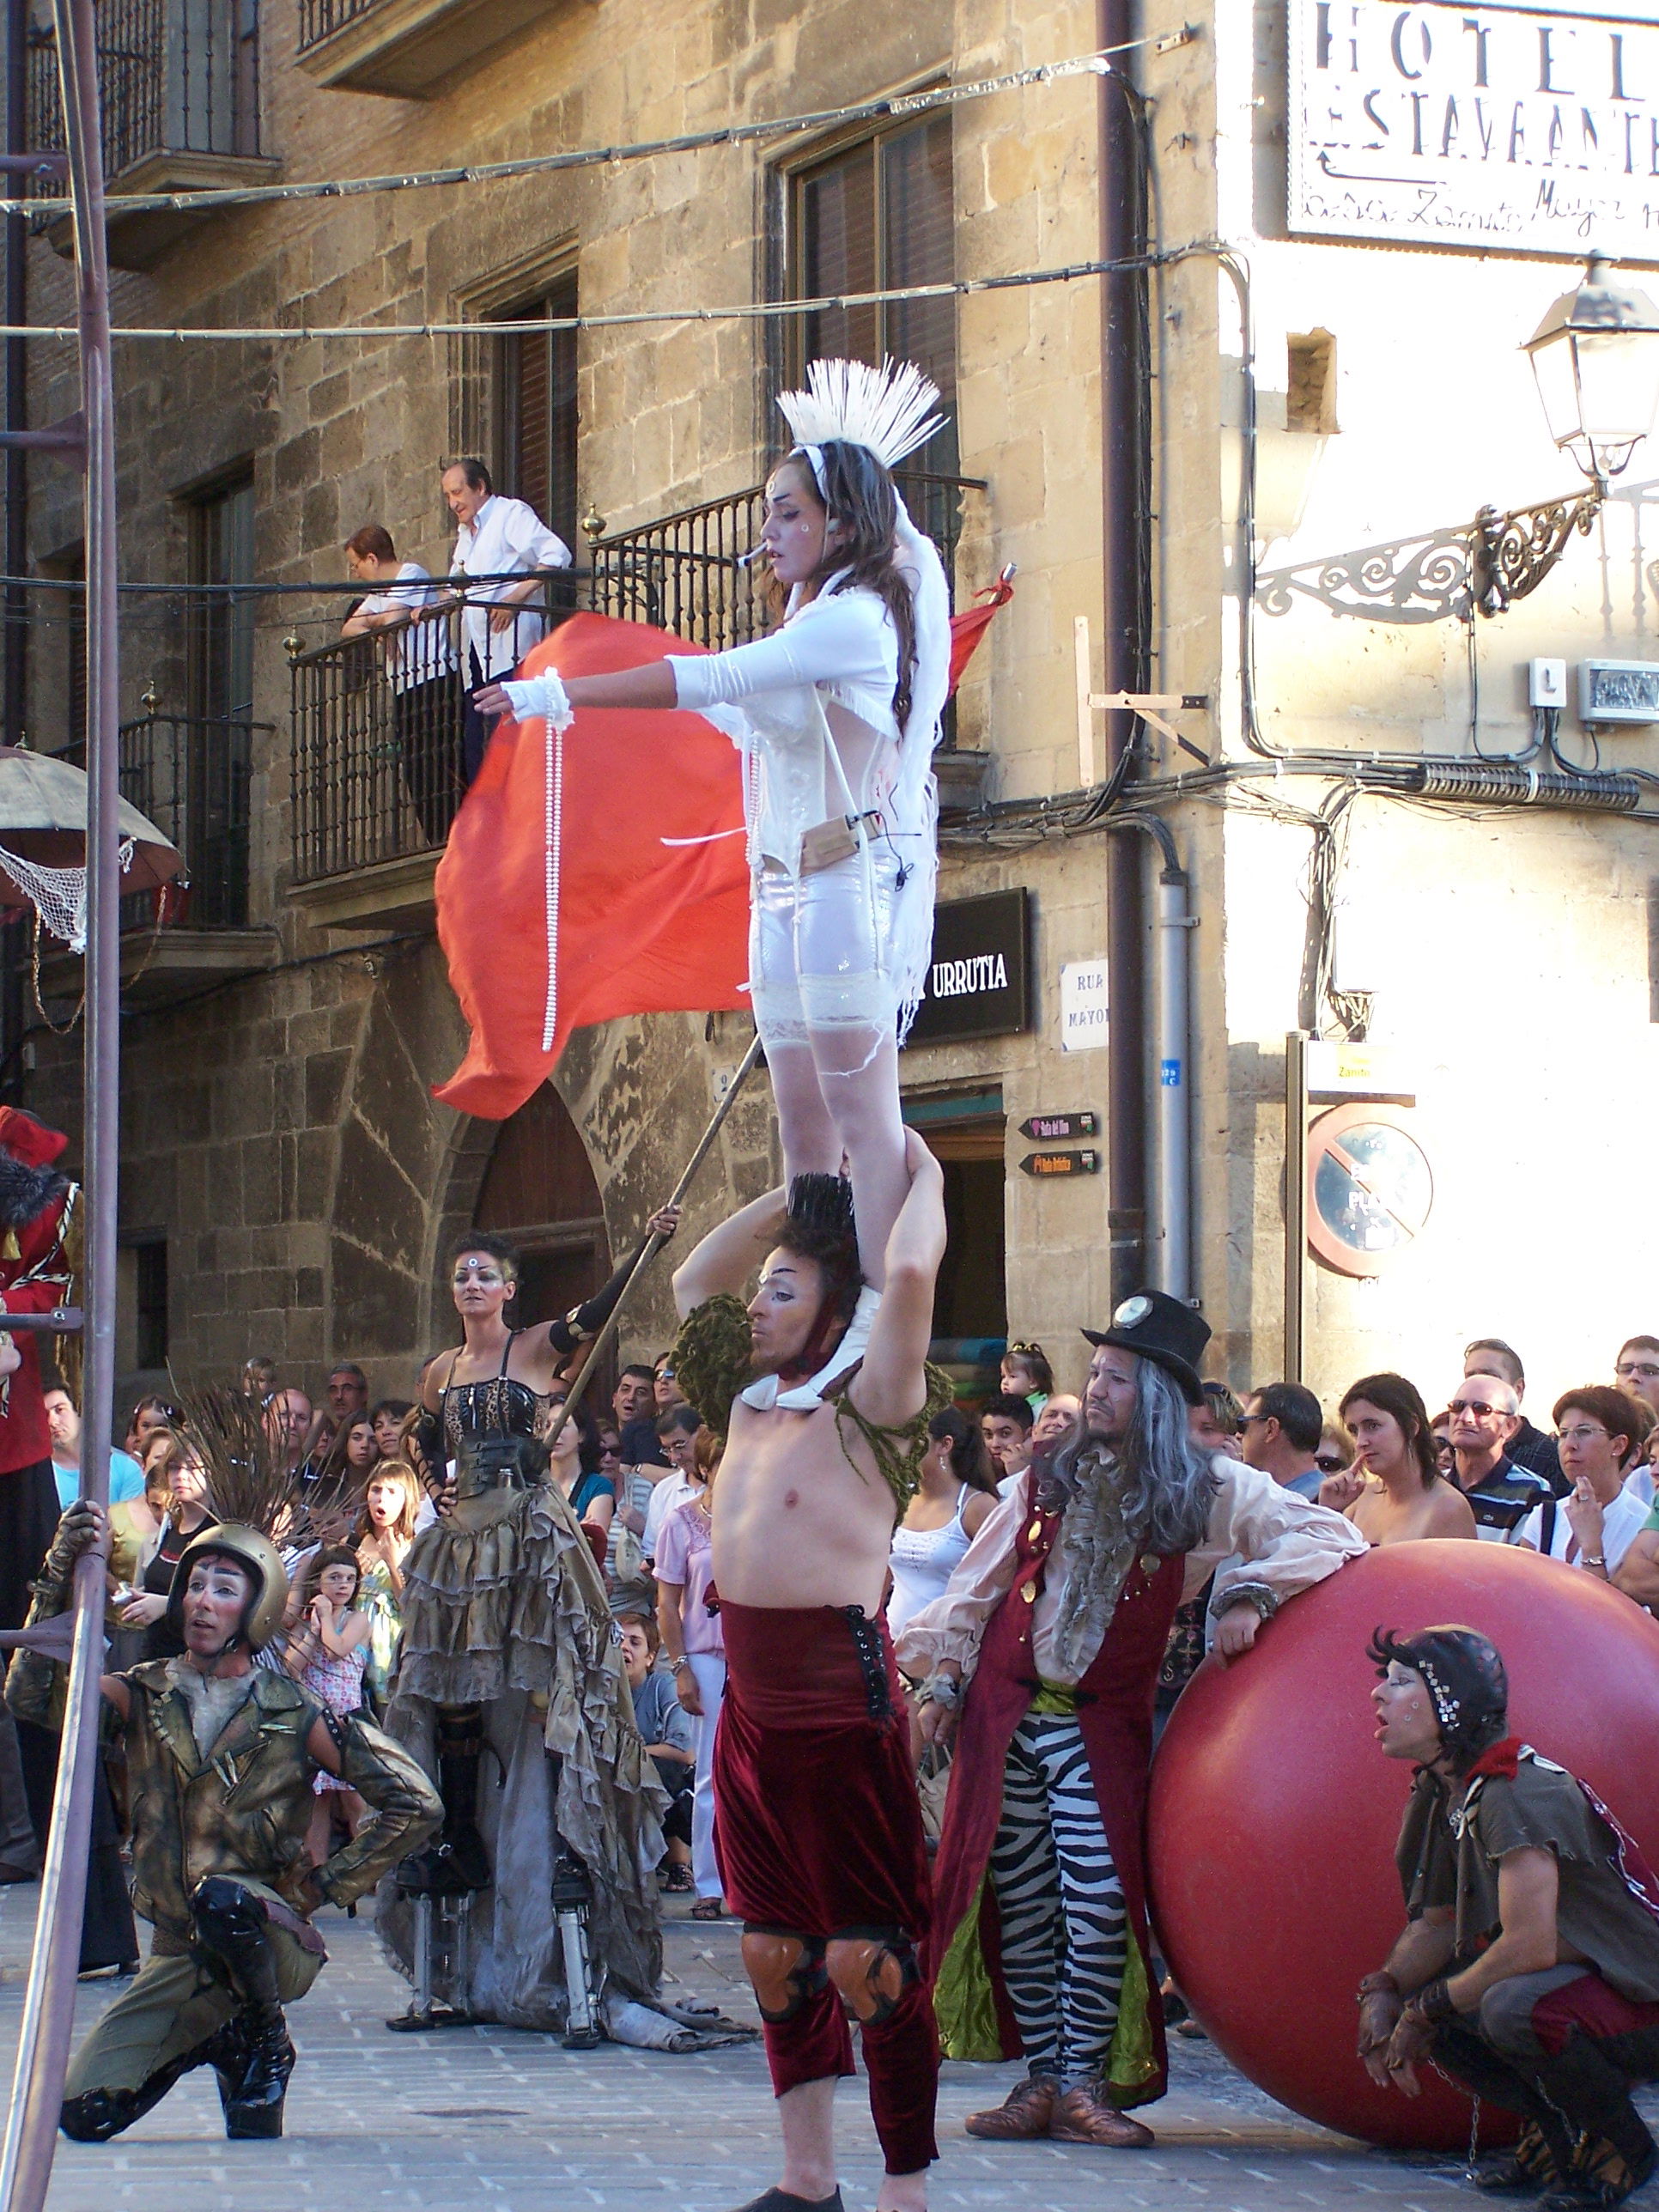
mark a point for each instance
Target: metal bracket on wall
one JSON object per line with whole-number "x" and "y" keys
{"x": 67, "y": 437}
{"x": 1151, "y": 706}
{"x": 1438, "y": 575}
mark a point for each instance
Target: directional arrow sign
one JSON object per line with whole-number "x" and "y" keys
{"x": 1060, "y": 1128}
{"x": 1061, "y": 1163}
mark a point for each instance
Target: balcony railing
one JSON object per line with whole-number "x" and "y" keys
{"x": 406, "y": 49}
{"x": 175, "y": 77}
{"x": 180, "y": 86}
{"x": 320, "y": 19}
{"x": 379, "y": 722}
{"x": 189, "y": 775}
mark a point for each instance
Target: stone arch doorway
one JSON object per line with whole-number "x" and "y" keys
{"x": 538, "y": 1190}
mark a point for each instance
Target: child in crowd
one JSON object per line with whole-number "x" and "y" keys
{"x": 1026, "y": 1373}
{"x": 327, "y": 1658}
{"x": 665, "y": 1728}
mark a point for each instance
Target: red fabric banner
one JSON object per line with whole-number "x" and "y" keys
{"x": 575, "y": 859}
{"x": 563, "y": 898}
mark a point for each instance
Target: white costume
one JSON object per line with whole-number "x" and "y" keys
{"x": 811, "y": 710}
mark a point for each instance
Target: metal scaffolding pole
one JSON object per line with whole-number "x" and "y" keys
{"x": 49, "y": 2003}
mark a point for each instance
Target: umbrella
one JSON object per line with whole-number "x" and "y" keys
{"x": 43, "y": 823}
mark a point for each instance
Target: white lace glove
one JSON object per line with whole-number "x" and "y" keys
{"x": 541, "y": 696}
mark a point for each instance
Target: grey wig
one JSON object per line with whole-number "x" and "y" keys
{"x": 1165, "y": 1483}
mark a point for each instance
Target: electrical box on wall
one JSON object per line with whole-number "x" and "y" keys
{"x": 1546, "y": 683}
{"x": 1619, "y": 691}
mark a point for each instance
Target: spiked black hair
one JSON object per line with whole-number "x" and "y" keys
{"x": 819, "y": 1227}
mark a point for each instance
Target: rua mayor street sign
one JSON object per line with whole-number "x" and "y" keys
{"x": 1444, "y": 124}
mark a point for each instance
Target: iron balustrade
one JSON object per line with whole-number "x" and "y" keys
{"x": 189, "y": 775}
{"x": 378, "y": 721}
{"x": 320, "y": 19}
{"x": 176, "y": 76}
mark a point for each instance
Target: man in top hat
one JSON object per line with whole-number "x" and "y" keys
{"x": 1043, "y": 1658}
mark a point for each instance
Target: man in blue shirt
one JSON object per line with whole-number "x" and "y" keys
{"x": 1282, "y": 1425}
{"x": 126, "y": 1477}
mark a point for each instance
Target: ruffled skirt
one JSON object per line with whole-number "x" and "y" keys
{"x": 480, "y": 1601}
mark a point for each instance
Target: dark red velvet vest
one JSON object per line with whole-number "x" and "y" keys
{"x": 1115, "y": 1710}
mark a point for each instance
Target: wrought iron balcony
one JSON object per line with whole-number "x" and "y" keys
{"x": 377, "y": 754}
{"x": 191, "y": 776}
{"x": 180, "y": 81}
{"x": 405, "y": 48}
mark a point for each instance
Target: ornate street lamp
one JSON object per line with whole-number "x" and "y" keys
{"x": 1595, "y": 357}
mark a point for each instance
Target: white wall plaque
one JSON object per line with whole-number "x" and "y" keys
{"x": 1083, "y": 1006}
{"x": 1452, "y": 125}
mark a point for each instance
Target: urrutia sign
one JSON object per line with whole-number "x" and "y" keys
{"x": 1499, "y": 126}
{"x": 979, "y": 980}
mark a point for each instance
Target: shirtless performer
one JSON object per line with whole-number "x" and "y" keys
{"x": 817, "y": 1830}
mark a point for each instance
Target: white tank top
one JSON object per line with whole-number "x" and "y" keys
{"x": 922, "y": 1561}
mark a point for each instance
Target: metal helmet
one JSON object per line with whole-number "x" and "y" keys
{"x": 253, "y": 1550}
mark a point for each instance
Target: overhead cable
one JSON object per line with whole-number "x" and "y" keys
{"x": 754, "y": 311}
{"x": 1098, "y": 63}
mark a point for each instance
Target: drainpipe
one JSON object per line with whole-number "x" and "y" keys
{"x": 1175, "y": 1138}
{"x": 1169, "y": 1245}
{"x": 14, "y": 489}
{"x": 1123, "y": 578}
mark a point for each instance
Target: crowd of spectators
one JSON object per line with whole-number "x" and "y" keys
{"x": 639, "y": 1474}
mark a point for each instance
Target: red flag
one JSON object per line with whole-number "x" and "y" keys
{"x": 968, "y": 628}
{"x": 559, "y": 904}
{"x": 602, "y": 872}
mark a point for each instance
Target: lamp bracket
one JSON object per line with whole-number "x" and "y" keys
{"x": 1440, "y": 575}
{"x": 1511, "y": 554}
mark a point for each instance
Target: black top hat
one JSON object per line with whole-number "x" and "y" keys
{"x": 1161, "y": 1328}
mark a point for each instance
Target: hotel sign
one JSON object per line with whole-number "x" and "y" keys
{"x": 1487, "y": 127}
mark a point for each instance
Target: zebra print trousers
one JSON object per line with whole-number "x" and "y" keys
{"x": 1064, "y": 1927}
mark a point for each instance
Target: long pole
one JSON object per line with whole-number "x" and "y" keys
{"x": 1295, "y": 1205}
{"x": 49, "y": 2003}
{"x": 653, "y": 1244}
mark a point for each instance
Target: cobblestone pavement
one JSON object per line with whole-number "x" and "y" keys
{"x": 483, "y": 2118}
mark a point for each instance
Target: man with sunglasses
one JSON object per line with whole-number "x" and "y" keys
{"x": 1281, "y": 1432}
{"x": 1485, "y": 1413}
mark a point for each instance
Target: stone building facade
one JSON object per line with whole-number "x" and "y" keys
{"x": 283, "y": 1152}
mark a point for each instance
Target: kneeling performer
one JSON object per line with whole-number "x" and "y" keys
{"x": 222, "y": 1756}
{"x": 817, "y": 1829}
{"x": 1530, "y": 1964}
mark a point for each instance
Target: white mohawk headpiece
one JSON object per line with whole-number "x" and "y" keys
{"x": 887, "y": 409}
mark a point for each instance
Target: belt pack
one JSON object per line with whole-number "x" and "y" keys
{"x": 828, "y": 843}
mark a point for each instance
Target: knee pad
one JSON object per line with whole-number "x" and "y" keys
{"x": 786, "y": 1968}
{"x": 872, "y": 1968}
{"x": 99, "y": 2115}
{"x": 224, "y": 1907}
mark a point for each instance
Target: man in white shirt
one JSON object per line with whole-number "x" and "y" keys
{"x": 500, "y": 537}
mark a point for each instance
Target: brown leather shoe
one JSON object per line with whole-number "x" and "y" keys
{"x": 1083, "y": 2115}
{"x": 1025, "y": 2112}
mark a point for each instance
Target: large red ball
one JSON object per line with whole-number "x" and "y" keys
{"x": 1273, "y": 1814}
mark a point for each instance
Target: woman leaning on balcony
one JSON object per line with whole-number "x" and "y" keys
{"x": 422, "y": 668}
